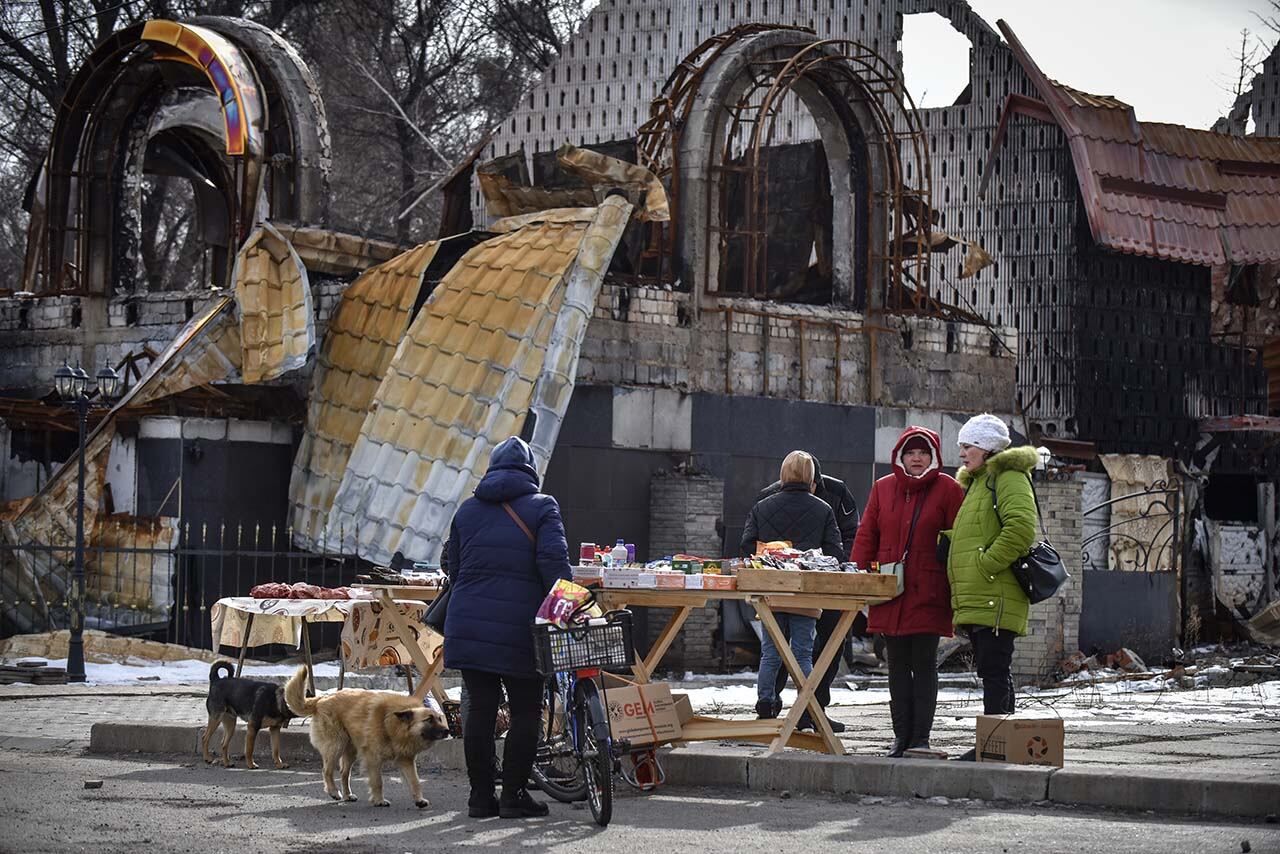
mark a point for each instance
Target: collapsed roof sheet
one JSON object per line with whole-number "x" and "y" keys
{"x": 463, "y": 379}
{"x": 1163, "y": 190}
{"x": 363, "y": 334}
{"x": 337, "y": 253}
{"x": 207, "y": 349}
{"x": 277, "y": 324}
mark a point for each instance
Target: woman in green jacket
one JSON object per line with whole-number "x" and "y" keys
{"x": 987, "y": 602}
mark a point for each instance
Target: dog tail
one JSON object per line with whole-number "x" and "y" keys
{"x": 295, "y": 694}
{"x": 220, "y": 666}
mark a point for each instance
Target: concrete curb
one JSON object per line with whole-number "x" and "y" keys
{"x": 810, "y": 773}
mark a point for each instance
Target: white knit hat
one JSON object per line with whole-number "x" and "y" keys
{"x": 985, "y": 431}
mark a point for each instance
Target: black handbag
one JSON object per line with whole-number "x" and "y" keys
{"x": 1039, "y": 572}
{"x": 438, "y": 609}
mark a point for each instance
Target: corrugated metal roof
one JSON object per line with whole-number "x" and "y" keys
{"x": 1174, "y": 180}
{"x": 323, "y": 250}
{"x": 363, "y": 334}
{"x": 277, "y": 324}
{"x": 463, "y": 379}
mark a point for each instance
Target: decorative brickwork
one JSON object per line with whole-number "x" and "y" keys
{"x": 1053, "y": 630}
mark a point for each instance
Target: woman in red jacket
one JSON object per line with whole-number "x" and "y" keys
{"x": 913, "y": 622}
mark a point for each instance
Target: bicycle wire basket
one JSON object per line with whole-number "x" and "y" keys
{"x": 606, "y": 646}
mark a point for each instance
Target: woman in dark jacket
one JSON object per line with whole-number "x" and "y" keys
{"x": 506, "y": 550}
{"x": 913, "y": 622}
{"x": 794, "y": 513}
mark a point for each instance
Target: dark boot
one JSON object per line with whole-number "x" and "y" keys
{"x": 767, "y": 709}
{"x": 923, "y": 704}
{"x": 520, "y": 805}
{"x": 900, "y": 714}
{"x": 482, "y": 804}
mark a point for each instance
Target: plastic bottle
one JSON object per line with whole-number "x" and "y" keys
{"x": 619, "y": 553}
{"x": 631, "y": 552}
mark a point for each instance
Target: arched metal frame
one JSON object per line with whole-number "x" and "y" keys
{"x": 1164, "y": 501}
{"x": 268, "y": 107}
{"x": 850, "y": 78}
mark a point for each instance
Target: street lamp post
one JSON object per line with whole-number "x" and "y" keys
{"x": 73, "y": 389}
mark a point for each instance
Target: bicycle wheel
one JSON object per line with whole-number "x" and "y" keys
{"x": 557, "y": 770}
{"x": 597, "y": 756}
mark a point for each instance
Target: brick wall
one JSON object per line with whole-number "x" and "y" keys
{"x": 683, "y": 512}
{"x": 37, "y": 334}
{"x": 1053, "y": 630}
{"x": 647, "y": 336}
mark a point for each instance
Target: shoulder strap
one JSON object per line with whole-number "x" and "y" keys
{"x": 995, "y": 504}
{"x": 915, "y": 517}
{"x": 515, "y": 517}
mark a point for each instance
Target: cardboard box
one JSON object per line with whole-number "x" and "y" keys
{"x": 867, "y": 584}
{"x": 670, "y": 580}
{"x": 719, "y": 582}
{"x": 1019, "y": 740}
{"x": 629, "y": 578}
{"x": 627, "y": 718}
{"x": 684, "y": 708}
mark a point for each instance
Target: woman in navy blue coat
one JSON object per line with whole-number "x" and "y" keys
{"x": 501, "y": 567}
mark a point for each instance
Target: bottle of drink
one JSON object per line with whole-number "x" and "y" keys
{"x": 631, "y": 552}
{"x": 619, "y": 553}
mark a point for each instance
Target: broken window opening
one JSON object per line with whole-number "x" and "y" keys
{"x": 793, "y": 189}
{"x": 174, "y": 256}
{"x": 935, "y": 61}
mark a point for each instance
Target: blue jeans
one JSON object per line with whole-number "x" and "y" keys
{"x": 800, "y": 630}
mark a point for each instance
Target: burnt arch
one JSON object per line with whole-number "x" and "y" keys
{"x": 731, "y": 89}
{"x": 219, "y": 104}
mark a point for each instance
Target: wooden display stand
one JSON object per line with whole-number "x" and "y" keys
{"x": 777, "y": 733}
{"x": 430, "y": 670}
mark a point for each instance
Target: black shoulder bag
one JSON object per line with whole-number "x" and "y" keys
{"x": 1039, "y": 572}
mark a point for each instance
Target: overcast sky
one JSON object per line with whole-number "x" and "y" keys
{"x": 1171, "y": 59}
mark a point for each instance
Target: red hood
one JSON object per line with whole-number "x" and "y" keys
{"x": 913, "y": 483}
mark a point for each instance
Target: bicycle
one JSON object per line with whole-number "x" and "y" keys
{"x": 577, "y": 754}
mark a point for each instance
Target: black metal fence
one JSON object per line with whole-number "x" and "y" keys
{"x": 152, "y": 578}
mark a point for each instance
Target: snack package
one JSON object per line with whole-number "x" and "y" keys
{"x": 565, "y": 604}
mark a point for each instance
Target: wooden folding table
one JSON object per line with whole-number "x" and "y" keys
{"x": 777, "y": 733}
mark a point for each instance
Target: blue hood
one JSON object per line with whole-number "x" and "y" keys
{"x": 511, "y": 473}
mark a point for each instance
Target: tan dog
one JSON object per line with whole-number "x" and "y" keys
{"x": 375, "y": 726}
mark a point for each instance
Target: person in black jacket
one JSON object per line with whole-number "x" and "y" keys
{"x": 793, "y": 513}
{"x": 837, "y": 495}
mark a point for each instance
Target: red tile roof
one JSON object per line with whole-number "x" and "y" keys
{"x": 1164, "y": 190}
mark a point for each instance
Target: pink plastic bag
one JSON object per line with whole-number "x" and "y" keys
{"x": 563, "y": 603}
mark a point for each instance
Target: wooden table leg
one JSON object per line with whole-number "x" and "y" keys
{"x": 643, "y": 670}
{"x": 429, "y": 670}
{"x": 806, "y": 686}
{"x": 306, "y": 655}
{"x": 342, "y": 669}
{"x": 244, "y": 643}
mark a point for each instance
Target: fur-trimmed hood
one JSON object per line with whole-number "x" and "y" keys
{"x": 1023, "y": 458}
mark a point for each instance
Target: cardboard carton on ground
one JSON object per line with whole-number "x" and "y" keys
{"x": 1019, "y": 740}
{"x": 684, "y": 708}
{"x": 627, "y": 718}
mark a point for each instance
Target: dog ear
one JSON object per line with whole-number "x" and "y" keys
{"x": 406, "y": 716}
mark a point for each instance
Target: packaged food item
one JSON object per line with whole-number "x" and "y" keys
{"x": 587, "y": 553}
{"x": 564, "y": 603}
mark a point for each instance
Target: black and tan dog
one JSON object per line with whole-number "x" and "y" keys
{"x": 259, "y": 704}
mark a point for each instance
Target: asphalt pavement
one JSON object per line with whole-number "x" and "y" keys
{"x": 175, "y": 804}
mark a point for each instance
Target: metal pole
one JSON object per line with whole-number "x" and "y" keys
{"x": 75, "y": 646}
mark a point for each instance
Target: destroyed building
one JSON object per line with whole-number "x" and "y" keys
{"x": 797, "y": 257}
